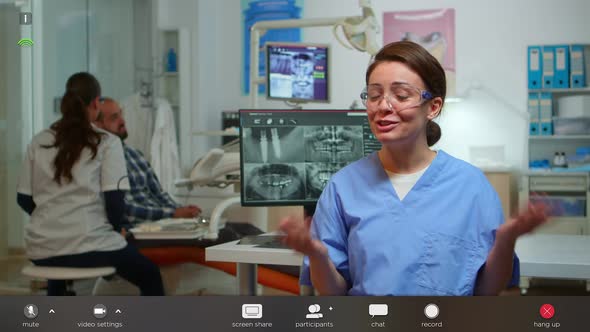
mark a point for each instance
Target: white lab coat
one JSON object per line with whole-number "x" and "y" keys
{"x": 69, "y": 218}
{"x": 164, "y": 147}
{"x": 139, "y": 121}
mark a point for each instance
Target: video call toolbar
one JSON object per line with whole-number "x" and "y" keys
{"x": 282, "y": 313}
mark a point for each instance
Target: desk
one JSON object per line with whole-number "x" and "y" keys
{"x": 247, "y": 257}
{"x": 553, "y": 256}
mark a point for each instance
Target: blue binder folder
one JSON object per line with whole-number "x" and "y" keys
{"x": 561, "y": 78}
{"x": 548, "y": 66}
{"x": 535, "y": 71}
{"x": 578, "y": 58}
{"x": 546, "y": 128}
{"x": 546, "y": 114}
{"x": 534, "y": 115}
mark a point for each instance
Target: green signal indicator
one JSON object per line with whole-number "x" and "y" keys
{"x": 25, "y": 42}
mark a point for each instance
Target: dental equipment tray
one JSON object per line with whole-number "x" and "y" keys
{"x": 265, "y": 241}
{"x": 232, "y": 231}
{"x": 171, "y": 228}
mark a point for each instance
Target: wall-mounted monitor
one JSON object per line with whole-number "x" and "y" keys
{"x": 297, "y": 72}
{"x": 287, "y": 157}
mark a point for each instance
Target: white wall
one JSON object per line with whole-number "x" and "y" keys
{"x": 10, "y": 124}
{"x": 78, "y": 36}
{"x": 64, "y": 50}
{"x": 111, "y": 41}
{"x": 491, "y": 41}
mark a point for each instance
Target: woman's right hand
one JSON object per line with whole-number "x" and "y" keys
{"x": 298, "y": 237}
{"x": 323, "y": 274}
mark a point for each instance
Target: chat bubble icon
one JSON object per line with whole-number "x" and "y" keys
{"x": 378, "y": 310}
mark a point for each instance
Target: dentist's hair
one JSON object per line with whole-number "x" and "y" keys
{"x": 74, "y": 132}
{"x": 422, "y": 63}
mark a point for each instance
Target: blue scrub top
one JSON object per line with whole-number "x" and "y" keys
{"x": 432, "y": 243}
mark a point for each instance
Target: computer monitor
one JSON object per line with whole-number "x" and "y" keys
{"x": 297, "y": 72}
{"x": 287, "y": 157}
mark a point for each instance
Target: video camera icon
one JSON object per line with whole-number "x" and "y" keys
{"x": 99, "y": 311}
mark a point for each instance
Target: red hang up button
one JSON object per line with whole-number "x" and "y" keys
{"x": 547, "y": 311}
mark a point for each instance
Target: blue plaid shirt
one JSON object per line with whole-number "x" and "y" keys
{"x": 146, "y": 201}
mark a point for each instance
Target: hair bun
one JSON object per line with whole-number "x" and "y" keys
{"x": 433, "y": 133}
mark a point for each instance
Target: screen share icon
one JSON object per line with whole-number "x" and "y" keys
{"x": 251, "y": 311}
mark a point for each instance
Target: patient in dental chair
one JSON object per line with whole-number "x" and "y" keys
{"x": 146, "y": 201}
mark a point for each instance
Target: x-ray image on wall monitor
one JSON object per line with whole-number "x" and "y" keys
{"x": 287, "y": 157}
{"x": 297, "y": 72}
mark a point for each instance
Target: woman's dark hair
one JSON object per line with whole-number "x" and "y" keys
{"x": 74, "y": 132}
{"x": 425, "y": 65}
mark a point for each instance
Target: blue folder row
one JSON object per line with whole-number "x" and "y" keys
{"x": 558, "y": 66}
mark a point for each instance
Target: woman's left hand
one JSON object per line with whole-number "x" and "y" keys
{"x": 526, "y": 221}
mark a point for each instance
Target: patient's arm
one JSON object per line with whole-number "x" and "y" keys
{"x": 190, "y": 211}
{"x": 137, "y": 212}
{"x": 115, "y": 207}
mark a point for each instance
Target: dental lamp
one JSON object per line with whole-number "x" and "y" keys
{"x": 360, "y": 31}
{"x": 476, "y": 87}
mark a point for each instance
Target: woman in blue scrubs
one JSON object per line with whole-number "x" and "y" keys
{"x": 408, "y": 220}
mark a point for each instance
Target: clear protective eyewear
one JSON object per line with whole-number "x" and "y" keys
{"x": 401, "y": 96}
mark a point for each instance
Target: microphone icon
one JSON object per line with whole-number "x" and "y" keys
{"x": 31, "y": 311}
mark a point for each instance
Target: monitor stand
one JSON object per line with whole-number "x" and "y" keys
{"x": 294, "y": 105}
{"x": 308, "y": 210}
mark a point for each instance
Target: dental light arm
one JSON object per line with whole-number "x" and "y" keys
{"x": 212, "y": 169}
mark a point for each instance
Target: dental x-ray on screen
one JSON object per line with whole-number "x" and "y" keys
{"x": 287, "y": 157}
{"x": 297, "y": 72}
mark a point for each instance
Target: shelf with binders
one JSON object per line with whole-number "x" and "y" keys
{"x": 559, "y": 135}
{"x": 561, "y": 114}
{"x": 562, "y": 91}
{"x": 558, "y": 67}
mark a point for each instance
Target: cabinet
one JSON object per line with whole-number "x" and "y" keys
{"x": 175, "y": 86}
{"x": 505, "y": 185}
{"x": 567, "y": 194}
{"x": 168, "y": 83}
{"x": 567, "y": 191}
